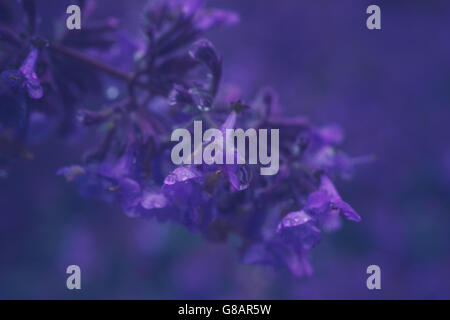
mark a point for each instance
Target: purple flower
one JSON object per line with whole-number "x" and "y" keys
{"x": 298, "y": 229}
{"x": 216, "y": 18}
{"x": 183, "y": 186}
{"x": 25, "y": 78}
{"x": 175, "y": 80}
{"x": 204, "y": 52}
{"x": 327, "y": 202}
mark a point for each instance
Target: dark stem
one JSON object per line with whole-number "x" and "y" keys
{"x": 77, "y": 55}
{"x": 118, "y": 74}
{"x": 13, "y": 36}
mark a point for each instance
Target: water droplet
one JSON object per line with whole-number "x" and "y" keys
{"x": 112, "y": 92}
{"x": 203, "y": 108}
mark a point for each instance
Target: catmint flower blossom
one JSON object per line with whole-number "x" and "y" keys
{"x": 25, "y": 78}
{"x": 175, "y": 80}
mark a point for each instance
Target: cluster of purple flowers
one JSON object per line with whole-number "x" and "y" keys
{"x": 175, "y": 80}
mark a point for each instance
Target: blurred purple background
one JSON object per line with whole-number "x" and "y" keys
{"x": 389, "y": 89}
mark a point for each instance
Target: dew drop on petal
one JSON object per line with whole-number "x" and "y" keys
{"x": 112, "y": 92}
